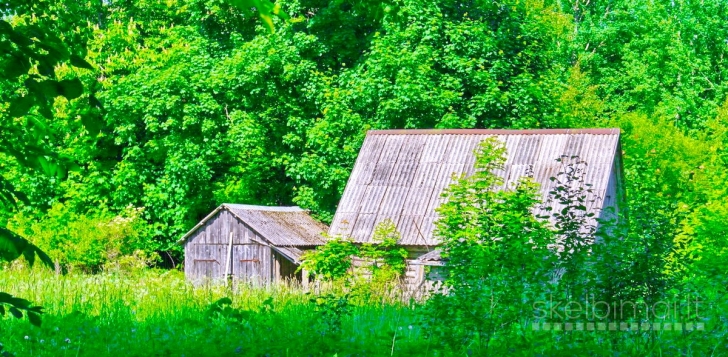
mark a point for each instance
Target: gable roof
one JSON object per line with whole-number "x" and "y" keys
{"x": 400, "y": 174}
{"x": 280, "y": 226}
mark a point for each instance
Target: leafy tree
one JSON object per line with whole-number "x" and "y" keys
{"x": 32, "y": 50}
{"x": 497, "y": 252}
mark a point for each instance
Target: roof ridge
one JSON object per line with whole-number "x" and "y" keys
{"x": 593, "y": 131}
{"x": 263, "y": 208}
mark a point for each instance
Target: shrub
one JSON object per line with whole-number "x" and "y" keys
{"x": 497, "y": 252}
{"x": 87, "y": 241}
{"x": 382, "y": 259}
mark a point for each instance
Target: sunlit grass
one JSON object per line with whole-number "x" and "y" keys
{"x": 157, "y": 313}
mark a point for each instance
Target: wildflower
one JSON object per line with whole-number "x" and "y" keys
{"x": 41, "y": 341}
{"x": 409, "y": 327}
{"x": 27, "y": 338}
{"x": 68, "y": 340}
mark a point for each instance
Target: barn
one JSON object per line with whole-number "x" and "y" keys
{"x": 259, "y": 244}
{"x": 401, "y": 174}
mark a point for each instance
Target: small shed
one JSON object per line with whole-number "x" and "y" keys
{"x": 401, "y": 174}
{"x": 255, "y": 243}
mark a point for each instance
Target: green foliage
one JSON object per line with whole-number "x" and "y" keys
{"x": 223, "y": 311}
{"x": 12, "y": 247}
{"x": 16, "y": 306}
{"x": 387, "y": 260}
{"x": 85, "y": 241}
{"x": 497, "y": 253}
{"x": 332, "y": 307}
{"x": 382, "y": 261}
{"x": 180, "y": 105}
{"x": 330, "y": 261}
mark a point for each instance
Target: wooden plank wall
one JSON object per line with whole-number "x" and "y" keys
{"x": 285, "y": 269}
{"x": 206, "y": 253}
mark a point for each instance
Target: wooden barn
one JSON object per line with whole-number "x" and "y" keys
{"x": 401, "y": 174}
{"x": 253, "y": 243}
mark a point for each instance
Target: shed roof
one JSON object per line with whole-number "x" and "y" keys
{"x": 280, "y": 226}
{"x": 401, "y": 174}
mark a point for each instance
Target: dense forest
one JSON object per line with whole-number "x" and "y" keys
{"x": 188, "y": 104}
{"x": 124, "y": 122}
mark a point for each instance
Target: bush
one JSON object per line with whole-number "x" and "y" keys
{"x": 87, "y": 241}
{"x": 497, "y": 251}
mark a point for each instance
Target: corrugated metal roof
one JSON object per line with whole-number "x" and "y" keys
{"x": 401, "y": 174}
{"x": 293, "y": 254}
{"x": 280, "y": 226}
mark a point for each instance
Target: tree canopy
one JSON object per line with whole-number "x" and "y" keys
{"x": 174, "y": 107}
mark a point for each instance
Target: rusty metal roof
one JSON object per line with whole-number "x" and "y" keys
{"x": 401, "y": 174}
{"x": 280, "y": 226}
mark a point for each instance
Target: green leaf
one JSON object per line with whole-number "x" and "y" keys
{"x": 71, "y": 88}
{"x": 21, "y": 106}
{"x": 12, "y": 246}
{"x": 94, "y": 102}
{"x": 50, "y": 88}
{"x": 34, "y": 318}
{"x": 78, "y": 61}
{"x": 92, "y": 123}
{"x": 16, "y": 66}
{"x": 15, "y": 312}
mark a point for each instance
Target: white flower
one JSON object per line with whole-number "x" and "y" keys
{"x": 41, "y": 341}
{"x": 27, "y": 338}
{"x": 68, "y": 340}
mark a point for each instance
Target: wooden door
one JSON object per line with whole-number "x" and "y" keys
{"x": 246, "y": 262}
{"x": 207, "y": 261}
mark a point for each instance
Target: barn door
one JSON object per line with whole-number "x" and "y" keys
{"x": 246, "y": 262}
{"x": 206, "y": 264}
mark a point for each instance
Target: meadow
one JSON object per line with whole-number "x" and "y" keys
{"x": 123, "y": 123}
{"x": 157, "y": 313}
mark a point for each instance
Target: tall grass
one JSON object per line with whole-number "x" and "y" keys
{"x": 157, "y": 313}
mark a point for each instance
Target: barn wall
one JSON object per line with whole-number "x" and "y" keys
{"x": 206, "y": 253}
{"x": 614, "y": 200}
{"x": 284, "y": 269}
{"x": 206, "y": 250}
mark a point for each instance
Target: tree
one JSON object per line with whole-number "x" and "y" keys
{"x": 497, "y": 252}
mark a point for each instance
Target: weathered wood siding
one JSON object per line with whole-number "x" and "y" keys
{"x": 286, "y": 269}
{"x": 206, "y": 253}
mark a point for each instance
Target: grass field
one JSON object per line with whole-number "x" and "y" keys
{"x": 159, "y": 314}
